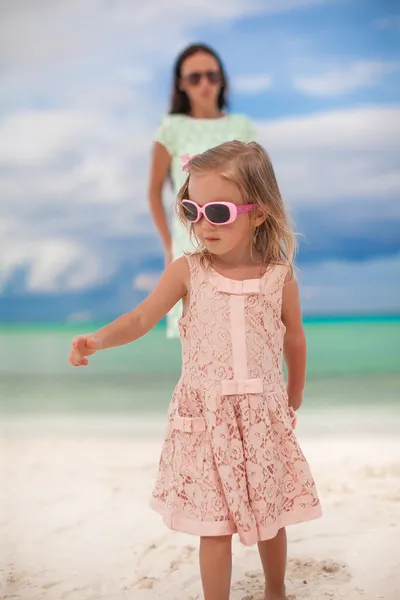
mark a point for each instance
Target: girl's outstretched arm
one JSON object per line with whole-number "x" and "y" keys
{"x": 172, "y": 287}
{"x": 294, "y": 345}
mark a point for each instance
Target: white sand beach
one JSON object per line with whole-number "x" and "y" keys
{"x": 75, "y": 522}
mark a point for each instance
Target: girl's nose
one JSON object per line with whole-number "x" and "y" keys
{"x": 206, "y": 225}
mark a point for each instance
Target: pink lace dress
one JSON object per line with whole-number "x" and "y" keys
{"x": 230, "y": 461}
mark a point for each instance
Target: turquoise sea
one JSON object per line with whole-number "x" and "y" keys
{"x": 351, "y": 362}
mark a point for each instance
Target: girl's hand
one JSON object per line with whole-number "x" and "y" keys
{"x": 295, "y": 399}
{"x": 82, "y": 346}
{"x": 293, "y": 417}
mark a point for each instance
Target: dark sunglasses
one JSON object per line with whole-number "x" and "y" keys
{"x": 213, "y": 77}
{"x": 216, "y": 213}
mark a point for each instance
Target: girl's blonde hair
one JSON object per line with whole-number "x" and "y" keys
{"x": 249, "y": 167}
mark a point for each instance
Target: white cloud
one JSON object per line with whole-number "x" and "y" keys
{"x": 85, "y": 176}
{"x": 145, "y": 282}
{"x": 64, "y": 157}
{"x": 74, "y": 171}
{"x": 39, "y": 136}
{"x": 251, "y": 85}
{"x": 53, "y": 265}
{"x": 372, "y": 286}
{"x": 134, "y": 76}
{"x": 33, "y": 35}
{"x": 332, "y": 155}
{"x": 346, "y": 79}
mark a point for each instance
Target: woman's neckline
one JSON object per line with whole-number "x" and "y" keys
{"x": 206, "y": 119}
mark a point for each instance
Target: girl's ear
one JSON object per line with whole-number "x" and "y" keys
{"x": 258, "y": 217}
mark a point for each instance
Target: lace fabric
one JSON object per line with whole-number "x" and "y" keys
{"x": 231, "y": 462}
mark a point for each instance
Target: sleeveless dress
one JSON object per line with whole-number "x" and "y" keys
{"x": 230, "y": 461}
{"x": 181, "y": 134}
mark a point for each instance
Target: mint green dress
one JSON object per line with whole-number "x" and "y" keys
{"x": 181, "y": 134}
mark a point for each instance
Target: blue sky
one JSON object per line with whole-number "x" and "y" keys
{"x": 84, "y": 86}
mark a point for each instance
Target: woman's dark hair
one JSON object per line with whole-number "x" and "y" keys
{"x": 179, "y": 101}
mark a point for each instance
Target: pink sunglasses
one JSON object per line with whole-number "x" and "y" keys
{"x": 216, "y": 213}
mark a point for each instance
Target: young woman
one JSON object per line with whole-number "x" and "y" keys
{"x": 197, "y": 120}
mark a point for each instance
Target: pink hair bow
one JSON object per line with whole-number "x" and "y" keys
{"x": 185, "y": 160}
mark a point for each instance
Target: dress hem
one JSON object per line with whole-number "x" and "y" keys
{"x": 176, "y": 522}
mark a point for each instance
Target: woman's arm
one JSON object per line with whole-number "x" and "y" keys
{"x": 172, "y": 287}
{"x": 161, "y": 162}
{"x": 294, "y": 345}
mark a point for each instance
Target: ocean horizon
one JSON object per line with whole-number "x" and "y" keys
{"x": 352, "y": 361}
{"x": 307, "y": 318}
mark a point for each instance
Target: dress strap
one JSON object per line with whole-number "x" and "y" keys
{"x": 193, "y": 261}
{"x": 197, "y": 271}
{"x": 198, "y": 265}
{"x": 274, "y": 279}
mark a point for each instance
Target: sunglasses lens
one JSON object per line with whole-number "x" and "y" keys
{"x": 213, "y": 77}
{"x": 218, "y": 213}
{"x": 193, "y": 78}
{"x": 190, "y": 211}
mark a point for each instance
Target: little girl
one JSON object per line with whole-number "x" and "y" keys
{"x": 230, "y": 461}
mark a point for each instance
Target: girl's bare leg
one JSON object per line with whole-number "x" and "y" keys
{"x": 216, "y": 566}
{"x": 273, "y": 554}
